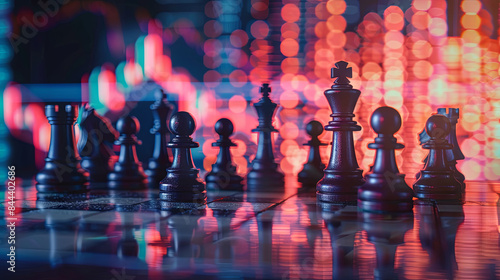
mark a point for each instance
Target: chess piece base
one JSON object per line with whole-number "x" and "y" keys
{"x": 265, "y": 180}
{"x": 310, "y": 174}
{"x": 439, "y": 186}
{"x": 56, "y": 177}
{"x": 182, "y": 197}
{"x": 98, "y": 171}
{"x": 181, "y": 180}
{"x": 127, "y": 177}
{"x": 48, "y": 188}
{"x": 224, "y": 181}
{"x": 340, "y": 186}
{"x": 381, "y": 194}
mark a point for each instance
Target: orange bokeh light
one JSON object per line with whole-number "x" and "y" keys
{"x": 336, "y": 22}
{"x": 421, "y": 20}
{"x": 422, "y": 69}
{"x": 422, "y": 5}
{"x": 470, "y": 21}
{"x": 290, "y": 12}
{"x": 237, "y": 104}
{"x": 336, "y": 7}
{"x": 471, "y": 6}
{"x": 421, "y": 49}
{"x": 336, "y": 39}
{"x": 289, "y": 47}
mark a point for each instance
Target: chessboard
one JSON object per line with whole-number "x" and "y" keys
{"x": 105, "y": 234}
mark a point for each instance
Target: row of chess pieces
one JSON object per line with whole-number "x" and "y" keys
{"x": 69, "y": 168}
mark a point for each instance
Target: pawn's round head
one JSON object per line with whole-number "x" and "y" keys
{"x": 314, "y": 128}
{"x": 438, "y": 126}
{"x": 385, "y": 120}
{"x": 224, "y": 127}
{"x": 182, "y": 123}
{"x": 128, "y": 125}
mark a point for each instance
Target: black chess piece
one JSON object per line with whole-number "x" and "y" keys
{"x": 437, "y": 181}
{"x": 385, "y": 188}
{"x": 342, "y": 175}
{"x": 264, "y": 174}
{"x": 182, "y": 182}
{"x": 158, "y": 164}
{"x": 223, "y": 175}
{"x": 62, "y": 171}
{"x": 312, "y": 171}
{"x": 454, "y": 153}
{"x": 97, "y": 136}
{"x": 127, "y": 173}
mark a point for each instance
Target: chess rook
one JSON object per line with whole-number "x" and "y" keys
{"x": 312, "y": 171}
{"x": 264, "y": 174}
{"x": 342, "y": 176}
{"x": 182, "y": 182}
{"x": 128, "y": 172}
{"x": 455, "y": 153}
{"x": 158, "y": 164}
{"x": 437, "y": 181}
{"x": 97, "y": 136}
{"x": 223, "y": 174}
{"x": 385, "y": 189}
{"x": 62, "y": 171}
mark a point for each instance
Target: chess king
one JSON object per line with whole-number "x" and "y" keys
{"x": 342, "y": 175}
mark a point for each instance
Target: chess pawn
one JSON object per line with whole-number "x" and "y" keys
{"x": 312, "y": 171}
{"x": 97, "y": 135}
{"x": 264, "y": 174}
{"x": 223, "y": 175}
{"x": 158, "y": 164}
{"x": 127, "y": 172}
{"x": 385, "y": 188}
{"x": 182, "y": 182}
{"x": 437, "y": 181}
{"x": 62, "y": 171}
{"x": 342, "y": 176}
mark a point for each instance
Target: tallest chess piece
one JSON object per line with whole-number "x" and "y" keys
{"x": 264, "y": 174}
{"x": 62, "y": 171}
{"x": 342, "y": 175}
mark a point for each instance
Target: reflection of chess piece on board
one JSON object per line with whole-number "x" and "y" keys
{"x": 437, "y": 181}
{"x": 342, "y": 224}
{"x": 127, "y": 173}
{"x": 312, "y": 171}
{"x": 62, "y": 171}
{"x": 128, "y": 245}
{"x": 224, "y": 212}
{"x": 182, "y": 182}
{"x": 385, "y": 188}
{"x": 158, "y": 164}
{"x": 264, "y": 174}
{"x": 386, "y": 232}
{"x": 342, "y": 175}
{"x": 97, "y": 136}
{"x": 438, "y": 232}
{"x": 223, "y": 174}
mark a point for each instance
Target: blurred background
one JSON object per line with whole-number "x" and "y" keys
{"x": 212, "y": 56}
